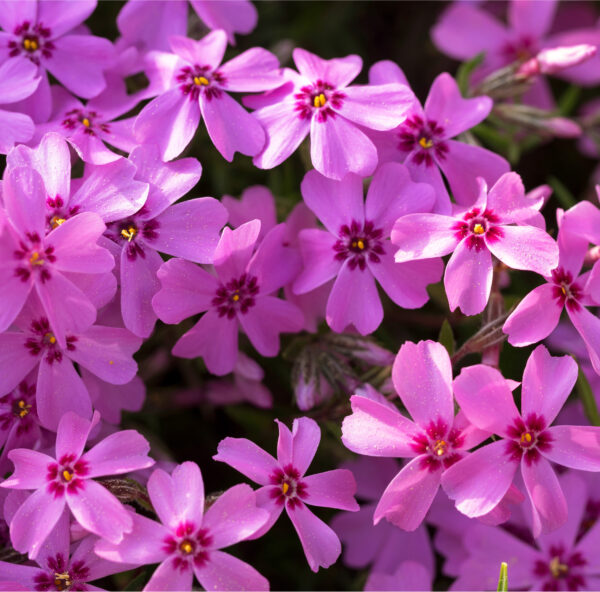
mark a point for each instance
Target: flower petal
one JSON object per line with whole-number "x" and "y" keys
{"x": 576, "y": 447}
{"x": 331, "y": 489}
{"x": 247, "y": 458}
{"x": 423, "y": 236}
{"x": 225, "y": 572}
{"x": 338, "y": 72}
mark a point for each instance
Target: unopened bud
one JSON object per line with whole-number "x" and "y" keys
{"x": 555, "y": 59}
{"x": 563, "y": 127}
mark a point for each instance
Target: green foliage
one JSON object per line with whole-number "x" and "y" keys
{"x": 587, "y": 398}
{"x": 503, "y": 579}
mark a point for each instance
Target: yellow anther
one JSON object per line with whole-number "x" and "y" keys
{"x": 440, "y": 447}
{"x": 319, "y": 100}
{"x": 186, "y": 547}
{"x": 235, "y": 297}
{"x": 111, "y": 362}
{"x": 62, "y": 581}
{"x": 67, "y": 475}
{"x": 563, "y": 290}
{"x": 478, "y": 229}
{"x": 129, "y": 233}
{"x": 360, "y": 244}
{"x": 526, "y": 437}
{"x": 285, "y": 488}
{"x": 201, "y": 81}
{"x": 86, "y": 122}
{"x": 55, "y": 222}
{"x": 30, "y": 44}
{"x": 49, "y": 338}
{"x": 425, "y": 142}
{"x": 23, "y": 408}
{"x": 558, "y": 569}
{"x": 35, "y": 259}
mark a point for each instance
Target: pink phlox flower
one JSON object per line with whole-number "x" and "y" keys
{"x": 90, "y": 127}
{"x": 434, "y": 441}
{"x": 187, "y": 540}
{"x": 189, "y": 229}
{"x": 385, "y": 546}
{"x": 149, "y": 24}
{"x": 49, "y": 264}
{"x": 285, "y": 485}
{"x": 538, "y": 314}
{"x": 464, "y": 30}
{"x": 43, "y": 33}
{"x": 319, "y": 102}
{"x": 18, "y": 80}
{"x": 565, "y": 559}
{"x": 355, "y": 250}
{"x": 196, "y": 84}
{"x": 478, "y": 482}
{"x": 424, "y": 141}
{"x": 241, "y": 293}
{"x": 106, "y": 352}
{"x": 66, "y": 483}
{"x": 474, "y": 235}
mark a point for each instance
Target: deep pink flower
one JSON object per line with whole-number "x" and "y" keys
{"x": 195, "y": 84}
{"x": 435, "y": 439}
{"x": 67, "y": 482}
{"x": 41, "y": 32}
{"x": 424, "y": 141}
{"x": 187, "y": 540}
{"x": 537, "y": 315}
{"x": 242, "y": 293}
{"x": 465, "y": 30}
{"x": 474, "y": 235}
{"x": 478, "y": 482}
{"x": 285, "y": 485}
{"x": 320, "y": 102}
{"x": 355, "y": 248}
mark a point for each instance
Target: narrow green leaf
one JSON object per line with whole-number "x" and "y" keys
{"x": 464, "y": 72}
{"x": 564, "y": 196}
{"x": 503, "y": 579}
{"x": 446, "y": 337}
{"x": 568, "y": 100}
{"x": 588, "y": 399}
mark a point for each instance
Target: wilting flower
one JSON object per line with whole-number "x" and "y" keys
{"x": 478, "y": 482}
{"x": 187, "y": 540}
{"x": 473, "y": 236}
{"x": 285, "y": 485}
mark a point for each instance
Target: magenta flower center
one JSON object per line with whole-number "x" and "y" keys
{"x": 61, "y": 576}
{"x": 20, "y": 409}
{"x": 565, "y": 291}
{"x": 236, "y": 295}
{"x": 477, "y": 226}
{"x": 425, "y": 139}
{"x": 88, "y": 121}
{"x": 34, "y": 258}
{"x": 195, "y": 80}
{"x": 318, "y": 99}
{"x": 188, "y": 544}
{"x": 68, "y": 473}
{"x": 562, "y": 570}
{"x": 32, "y": 42}
{"x": 438, "y": 444}
{"x": 59, "y": 213}
{"x": 288, "y": 486}
{"x": 520, "y": 50}
{"x": 528, "y": 438}
{"x": 357, "y": 243}
{"x": 43, "y": 342}
{"x": 132, "y": 233}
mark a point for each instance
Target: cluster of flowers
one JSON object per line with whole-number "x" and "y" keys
{"x": 83, "y": 282}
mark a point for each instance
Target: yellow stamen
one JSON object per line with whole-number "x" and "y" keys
{"x": 111, "y": 362}
{"x": 360, "y": 244}
{"x": 563, "y": 290}
{"x": 235, "y": 297}
{"x": 201, "y": 81}
{"x": 67, "y": 475}
{"x": 186, "y": 547}
{"x": 86, "y": 122}
{"x": 319, "y": 100}
{"x": 62, "y": 581}
{"x": 56, "y": 222}
{"x": 440, "y": 447}
{"x": 35, "y": 259}
{"x": 526, "y": 437}
{"x": 30, "y": 44}
{"x": 285, "y": 488}
{"x": 557, "y": 569}
{"x": 49, "y": 338}
{"x": 129, "y": 233}
{"x": 23, "y": 408}
{"x": 425, "y": 143}
{"x": 478, "y": 229}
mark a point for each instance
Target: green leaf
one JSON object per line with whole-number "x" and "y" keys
{"x": 563, "y": 195}
{"x": 568, "y": 100}
{"x": 446, "y": 337}
{"x": 465, "y": 70}
{"x": 503, "y": 579}
{"x": 588, "y": 399}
